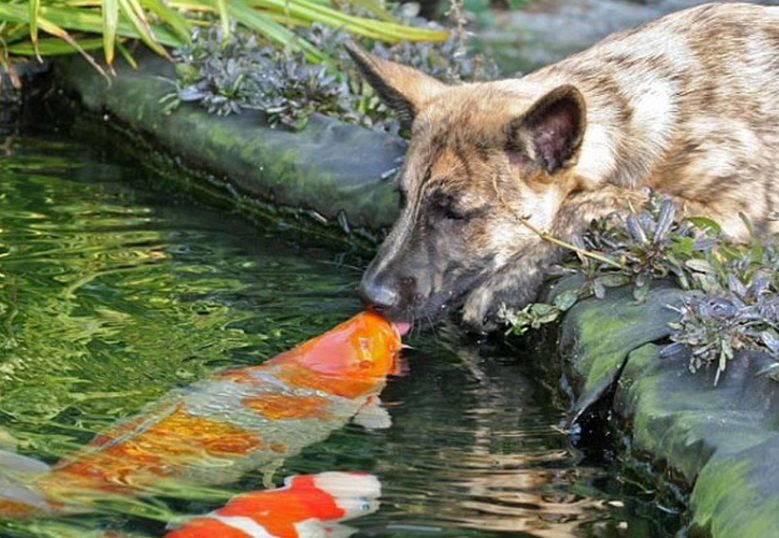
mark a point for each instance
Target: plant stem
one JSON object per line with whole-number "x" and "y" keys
{"x": 546, "y": 236}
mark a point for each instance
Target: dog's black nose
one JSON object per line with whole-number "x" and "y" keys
{"x": 378, "y": 296}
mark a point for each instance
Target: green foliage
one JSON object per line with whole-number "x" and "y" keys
{"x": 734, "y": 289}
{"x": 227, "y": 74}
{"x": 536, "y": 314}
{"x": 160, "y": 23}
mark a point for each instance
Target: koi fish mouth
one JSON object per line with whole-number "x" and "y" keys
{"x": 402, "y": 327}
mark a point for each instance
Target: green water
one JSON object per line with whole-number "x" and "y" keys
{"x": 112, "y": 293}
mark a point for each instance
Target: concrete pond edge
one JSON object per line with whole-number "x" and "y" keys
{"x": 721, "y": 443}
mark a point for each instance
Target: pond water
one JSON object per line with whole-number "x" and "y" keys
{"x": 112, "y": 293}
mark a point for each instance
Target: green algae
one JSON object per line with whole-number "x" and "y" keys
{"x": 598, "y": 335}
{"x": 720, "y": 442}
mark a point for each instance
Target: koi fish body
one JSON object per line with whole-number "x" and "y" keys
{"x": 233, "y": 422}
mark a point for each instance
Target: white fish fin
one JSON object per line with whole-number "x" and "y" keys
{"x": 13, "y": 469}
{"x": 372, "y": 416}
{"x": 338, "y": 530}
{"x": 21, "y": 494}
{"x": 311, "y": 528}
{"x": 244, "y": 524}
{"x": 13, "y": 463}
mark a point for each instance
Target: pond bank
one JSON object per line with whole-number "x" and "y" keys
{"x": 341, "y": 173}
{"x": 720, "y": 443}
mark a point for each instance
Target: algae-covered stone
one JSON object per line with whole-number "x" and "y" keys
{"x": 598, "y": 334}
{"x": 329, "y": 167}
{"x": 721, "y": 441}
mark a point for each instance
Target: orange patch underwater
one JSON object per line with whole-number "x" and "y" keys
{"x": 177, "y": 440}
{"x": 277, "y": 406}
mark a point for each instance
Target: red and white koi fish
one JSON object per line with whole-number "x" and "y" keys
{"x": 235, "y": 421}
{"x": 308, "y": 506}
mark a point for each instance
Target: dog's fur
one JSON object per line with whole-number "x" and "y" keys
{"x": 687, "y": 105}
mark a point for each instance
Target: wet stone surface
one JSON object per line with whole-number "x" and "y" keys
{"x": 718, "y": 442}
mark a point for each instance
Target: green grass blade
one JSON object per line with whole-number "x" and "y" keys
{"x": 133, "y": 12}
{"x": 81, "y": 20}
{"x": 16, "y": 32}
{"x": 171, "y": 17}
{"x": 376, "y": 8}
{"x": 51, "y": 28}
{"x": 126, "y": 54}
{"x": 35, "y": 8}
{"x": 110, "y": 9}
{"x": 53, "y": 46}
{"x": 224, "y": 17}
{"x": 274, "y": 31}
{"x": 386, "y": 31}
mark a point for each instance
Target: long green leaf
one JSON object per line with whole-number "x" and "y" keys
{"x": 376, "y": 8}
{"x": 110, "y": 9}
{"x": 133, "y": 11}
{"x": 51, "y": 28}
{"x": 82, "y": 20}
{"x": 126, "y": 54}
{"x": 53, "y": 46}
{"x": 359, "y": 25}
{"x": 35, "y": 7}
{"x": 224, "y": 17}
{"x": 171, "y": 17}
{"x": 274, "y": 31}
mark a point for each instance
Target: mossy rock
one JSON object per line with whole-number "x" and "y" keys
{"x": 720, "y": 441}
{"x": 339, "y": 171}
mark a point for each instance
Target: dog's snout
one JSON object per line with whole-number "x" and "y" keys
{"x": 378, "y": 296}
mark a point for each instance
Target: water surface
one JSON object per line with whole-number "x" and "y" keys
{"x": 113, "y": 292}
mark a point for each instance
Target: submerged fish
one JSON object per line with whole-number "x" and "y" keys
{"x": 234, "y": 421}
{"x": 308, "y": 506}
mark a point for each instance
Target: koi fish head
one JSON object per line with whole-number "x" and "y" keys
{"x": 362, "y": 349}
{"x": 355, "y": 494}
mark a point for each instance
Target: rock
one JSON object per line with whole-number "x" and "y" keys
{"x": 722, "y": 442}
{"x": 548, "y": 30}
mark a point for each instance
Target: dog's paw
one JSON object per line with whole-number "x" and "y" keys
{"x": 478, "y": 312}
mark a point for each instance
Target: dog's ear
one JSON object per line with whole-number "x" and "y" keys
{"x": 402, "y": 88}
{"x": 551, "y": 131}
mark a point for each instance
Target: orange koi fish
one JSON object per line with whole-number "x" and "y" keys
{"x": 307, "y": 506}
{"x": 235, "y": 421}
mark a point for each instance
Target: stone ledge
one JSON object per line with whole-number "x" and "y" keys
{"x": 337, "y": 170}
{"x": 722, "y": 442}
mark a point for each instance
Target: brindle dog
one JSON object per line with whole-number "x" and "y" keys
{"x": 687, "y": 105}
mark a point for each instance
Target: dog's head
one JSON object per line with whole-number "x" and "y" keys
{"x": 480, "y": 155}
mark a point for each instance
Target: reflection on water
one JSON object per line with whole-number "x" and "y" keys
{"x": 110, "y": 296}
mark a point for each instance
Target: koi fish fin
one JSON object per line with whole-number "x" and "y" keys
{"x": 312, "y": 528}
{"x": 13, "y": 467}
{"x": 372, "y": 416}
{"x": 21, "y": 495}
{"x": 13, "y": 463}
{"x": 337, "y": 530}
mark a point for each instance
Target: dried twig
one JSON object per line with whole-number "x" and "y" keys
{"x": 546, "y": 236}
